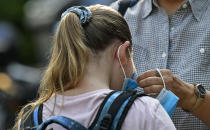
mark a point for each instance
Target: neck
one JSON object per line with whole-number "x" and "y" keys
{"x": 96, "y": 77}
{"x": 170, "y": 6}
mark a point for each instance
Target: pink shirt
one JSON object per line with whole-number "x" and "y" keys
{"x": 145, "y": 114}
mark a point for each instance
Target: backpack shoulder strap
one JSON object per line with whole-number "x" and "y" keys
{"x": 103, "y": 109}
{"x": 65, "y": 122}
{"x": 37, "y": 115}
{"x": 125, "y": 4}
{"x": 127, "y": 107}
{"x": 34, "y": 119}
{"x": 110, "y": 120}
{"x": 113, "y": 110}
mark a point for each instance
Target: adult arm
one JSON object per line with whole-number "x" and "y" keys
{"x": 203, "y": 111}
{"x": 152, "y": 83}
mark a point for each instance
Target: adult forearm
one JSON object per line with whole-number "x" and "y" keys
{"x": 203, "y": 111}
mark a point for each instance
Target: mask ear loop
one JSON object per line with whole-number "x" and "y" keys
{"x": 19, "y": 124}
{"x": 158, "y": 70}
{"x": 118, "y": 55}
{"x": 129, "y": 52}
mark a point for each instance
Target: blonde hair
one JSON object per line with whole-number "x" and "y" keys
{"x": 70, "y": 52}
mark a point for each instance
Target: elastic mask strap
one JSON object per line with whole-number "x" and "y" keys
{"x": 158, "y": 70}
{"x": 19, "y": 124}
{"x": 118, "y": 55}
{"x": 134, "y": 68}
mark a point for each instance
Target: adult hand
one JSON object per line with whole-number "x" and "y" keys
{"x": 151, "y": 82}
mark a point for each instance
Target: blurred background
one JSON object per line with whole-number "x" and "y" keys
{"x": 26, "y": 33}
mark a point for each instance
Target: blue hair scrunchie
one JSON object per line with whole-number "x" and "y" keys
{"x": 82, "y": 12}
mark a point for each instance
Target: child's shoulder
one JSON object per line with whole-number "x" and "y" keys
{"x": 147, "y": 113}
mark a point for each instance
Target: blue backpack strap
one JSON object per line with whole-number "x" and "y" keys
{"x": 65, "y": 122}
{"x": 118, "y": 107}
{"x": 125, "y": 4}
{"x": 104, "y": 109}
{"x": 28, "y": 124}
{"x": 61, "y": 120}
{"x": 112, "y": 110}
{"x": 37, "y": 115}
{"x": 33, "y": 120}
{"x": 127, "y": 107}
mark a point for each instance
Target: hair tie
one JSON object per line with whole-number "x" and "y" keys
{"x": 82, "y": 12}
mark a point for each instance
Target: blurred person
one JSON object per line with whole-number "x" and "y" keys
{"x": 89, "y": 55}
{"x": 174, "y": 35}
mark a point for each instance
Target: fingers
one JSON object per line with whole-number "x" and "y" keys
{"x": 153, "y": 89}
{"x": 153, "y": 73}
{"x": 152, "y": 84}
{"x": 154, "y": 95}
{"x": 152, "y": 77}
{"x": 150, "y": 81}
{"x": 149, "y": 73}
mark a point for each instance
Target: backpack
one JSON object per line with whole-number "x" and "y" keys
{"x": 125, "y": 4}
{"x": 110, "y": 115}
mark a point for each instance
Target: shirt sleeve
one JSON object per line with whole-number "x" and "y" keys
{"x": 147, "y": 114}
{"x": 161, "y": 119}
{"x": 115, "y": 5}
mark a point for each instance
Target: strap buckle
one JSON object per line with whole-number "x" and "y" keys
{"x": 106, "y": 122}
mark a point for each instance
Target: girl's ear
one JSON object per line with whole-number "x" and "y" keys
{"x": 122, "y": 52}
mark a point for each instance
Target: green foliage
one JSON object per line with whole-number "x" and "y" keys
{"x": 11, "y": 9}
{"x": 13, "y": 12}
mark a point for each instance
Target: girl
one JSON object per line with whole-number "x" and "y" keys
{"x": 90, "y": 58}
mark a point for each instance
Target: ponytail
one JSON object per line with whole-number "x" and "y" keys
{"x": 67, "y": 64}
{"x": 70, "y": 54}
